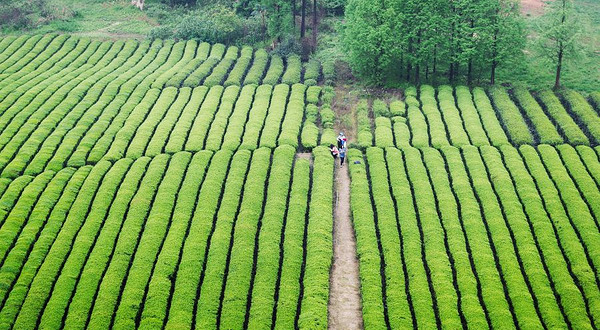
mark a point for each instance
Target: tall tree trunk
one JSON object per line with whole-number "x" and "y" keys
{"x": 560, "y": 49}
{"x": 294, "y": 13}
{"x": 434, "y": 74}
{"x": 303, "y": 22}
{"x": 408, "y": 70}
{"x": 451, "y": 72}
{"x": 315, "y": 24}
{"x": 558, "y": 68}
{"x": 417, "y": 69}
{"x": 470, "y": 72}
{"x": 493, "y": 75}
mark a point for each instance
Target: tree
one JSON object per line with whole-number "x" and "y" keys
{"x": 370, "y": 38}
{"x": 560, "y": 30}
{"x": 502, "y": 35}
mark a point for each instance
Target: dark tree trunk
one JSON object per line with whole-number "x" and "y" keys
{"x": 560, "y": 50}
{"x": 470, "y": 72}
{"x": 417, "y": 69}
{"x": 315, "y": 23}
{"x": 408, "y": 70}
{"x": 493, "y": 75}
{"x": 303, "y": 22}
{"x": 434, "y": 74}
{"x": 558, "y": 69}
{"x": 451, "y": 72}
{"x": 294, "y": 13}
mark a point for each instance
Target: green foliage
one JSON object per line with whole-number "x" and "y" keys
{"x": 319, "y": 249}
{"x": 383, "y": 132}
{"x": 293, "y": 70}
{"x": 380, "y": 109}
{"x": 584, "y": 112}
{"x": 545, "y": 129}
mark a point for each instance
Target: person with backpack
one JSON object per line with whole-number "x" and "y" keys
{"x": 341, "y": 140}
{"x": 342, "y": 155}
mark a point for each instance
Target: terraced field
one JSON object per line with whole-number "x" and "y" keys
{"x": 181, "y": 185}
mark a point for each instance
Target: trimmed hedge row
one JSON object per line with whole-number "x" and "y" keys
{"x": 29, "y": 251}
{"x": 180, "y": 132}
{"x": 217, "y": 253}
{"x": 268, "y": 261}
{"x": 517, "y": 285}
{"x": 219, "y": 124}
{"x": 187, "y": 278}
{"x": 290, "y": 128}
{"x": 471, "y": 304}
{"x": 367, "y": 243}
{"x": 572, "y": 133}
{"x": 62, "y": 264}
{"x": 256, "y": 117}
{"x": 293, "y": 70}
{"x": 157, "y": 142}
{"x": 524, "y": 240}
{"x": 183, "y": 72}
{"x": 545, "y": 231}
{"x": 222, "y": 69}
{"x": 288, "y": 292}
{"x": 493, "y": 290}
{"x": 569, "y": 236}
{"x": 406, "y": 243}
{"x": 364, "y": 135}
{"x": 256, "y": 71}
{"x": 236, "y": 286}
{"x": 275, "y": 70}
{"x": 512, "y": 119}
{"x": 136, "y": 145}
{"x": 437, "y": 128}
{"x": 439, "y": 260}
{"x": 310, "y": 132}
{"x": 160, "y": 285}
{"x": 204, "y": 116}
{"x": 237, "y": 121}
{"x": 452, "y": 117}
{"x": 43, "y": 263}
{"x": 204, "y": 70}
{"x": 471, "y": 119}
{"x": 240, "y": 67}
{"x": 488, "y": 118}
{"x": 319, "y": 250}
{"x": 275, "y": 113}
{"x": 416, "y": 122}
{"x": 584, "y": 111}
{"x": 188, "y": 52}
{"x": 397, "y": 108}
{"x": 546, "y": 131}
{"x": 383, "y": 132}
{"x": 312, "y": 72}
{"x": 99, "y": 257}
{"x": 101, "y": 140}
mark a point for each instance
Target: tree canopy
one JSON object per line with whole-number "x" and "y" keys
{"x": 422, "y": 39}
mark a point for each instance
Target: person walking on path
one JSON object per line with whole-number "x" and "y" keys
{"x": 342, "y": 155}
{"x": 341, "y": 140}
{"x": 334, "y": 151}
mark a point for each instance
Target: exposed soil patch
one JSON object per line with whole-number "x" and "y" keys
{"x": 345, "y": 311}
{"x": 532, "y": 7}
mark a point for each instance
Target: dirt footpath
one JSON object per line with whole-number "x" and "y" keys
{"x": 345, "y": 312}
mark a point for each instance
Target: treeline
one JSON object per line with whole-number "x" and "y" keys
{"x": 432, "y": 40}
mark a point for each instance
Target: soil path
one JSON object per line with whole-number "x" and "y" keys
{"x": 345, "y": 312}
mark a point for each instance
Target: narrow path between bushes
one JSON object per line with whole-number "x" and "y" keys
{"x": 345, "y": 311}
